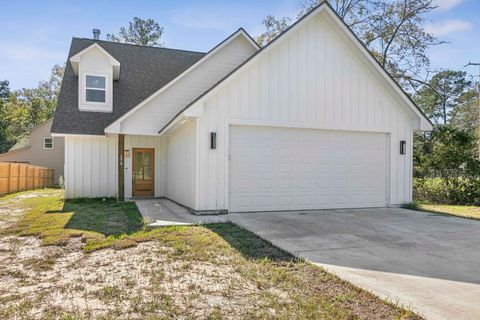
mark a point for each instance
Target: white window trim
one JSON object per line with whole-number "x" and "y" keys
{"x": 44, "y": 138}
{"x": 85, "y": 88}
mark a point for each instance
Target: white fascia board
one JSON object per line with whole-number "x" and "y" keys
{"x": 249, "y": 38}
{"x": 75, "y": 60}
{"x": 54, "y": 134}
{"x": 195, "y": 111}
{"x": 257, "y": 56}
{"x": 174, "y": 125}
{"x": 183, "y": 74}
{"x": 425, "y": 124}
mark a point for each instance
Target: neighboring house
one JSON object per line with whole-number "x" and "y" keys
{"x": 309, "y": 121}
{"x": 38, "y": 147}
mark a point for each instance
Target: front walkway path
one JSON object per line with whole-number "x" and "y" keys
{"x": 164, "y": 212}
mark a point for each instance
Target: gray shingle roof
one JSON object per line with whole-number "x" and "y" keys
{"x": 143, "y": 71}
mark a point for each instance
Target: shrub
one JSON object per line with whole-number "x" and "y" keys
{"x": 429, "y": 190}
{"x": 411, "y": 205}
{"x": 465, "y": 191}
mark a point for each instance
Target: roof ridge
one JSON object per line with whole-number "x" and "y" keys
{"x": 139, "y": 45}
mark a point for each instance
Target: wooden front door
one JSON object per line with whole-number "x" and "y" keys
{"x": 143, "y": 172}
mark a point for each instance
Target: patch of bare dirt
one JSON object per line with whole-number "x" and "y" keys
{"x": 131, "y": 283}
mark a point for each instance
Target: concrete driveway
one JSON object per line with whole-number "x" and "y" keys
{"x": 427, "y": 262}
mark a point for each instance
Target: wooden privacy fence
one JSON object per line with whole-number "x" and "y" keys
{"x": 21, "y": 176}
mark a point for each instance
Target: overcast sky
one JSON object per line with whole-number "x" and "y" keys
{"x": 35, "y": 35}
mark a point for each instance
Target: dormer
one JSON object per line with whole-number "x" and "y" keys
{"x": 96, "y": 70}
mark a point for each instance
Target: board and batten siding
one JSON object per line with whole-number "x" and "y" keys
{"x": 90, "y": 166}
{"x": 180, "y": 155}
{"x": 156, "y": 143}
{"x": 313, "y": 77}
{"x": 150, "y": 118}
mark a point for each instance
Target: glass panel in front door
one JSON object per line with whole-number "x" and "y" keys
{"x": 138, "y": 165}
{"x": 146, "y": 166}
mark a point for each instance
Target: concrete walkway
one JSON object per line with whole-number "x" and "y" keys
{"x": 163, "y": 212}
{"x": 427, "y": 262}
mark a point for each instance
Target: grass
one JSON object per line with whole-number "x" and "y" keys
{"x": 470, "y": 212}
{"x": 190, "y": 269}
{"x": 101, "y": 223}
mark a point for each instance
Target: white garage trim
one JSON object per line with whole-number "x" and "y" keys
{"x": 355, "y": 171}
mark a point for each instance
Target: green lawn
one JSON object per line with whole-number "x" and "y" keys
{"x": 213, "y": 271}
{"x": 471, "y": 212}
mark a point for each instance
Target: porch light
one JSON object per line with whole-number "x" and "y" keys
{"x": 403, "y": 147}
{"x": 126, "y": 153}
{"x": 213, "y": 140}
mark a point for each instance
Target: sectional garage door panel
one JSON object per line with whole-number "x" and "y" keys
{"x": 297, "y": 169}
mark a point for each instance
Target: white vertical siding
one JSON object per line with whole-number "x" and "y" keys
{"x": 312, "y": 78}
{"x": 156, "y": 143}
{"x": 150, "y": 118}
{"x": 180, "y": 156}
{"x": 90, "y": 166}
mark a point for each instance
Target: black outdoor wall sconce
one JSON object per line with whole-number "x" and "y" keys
{"x": 213, "y": 140}
{"x": 403, "y": 147}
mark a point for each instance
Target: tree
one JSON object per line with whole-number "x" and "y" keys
{"x": 465, "y": 115}
{"x": 14, "y": 119}
{"x": 273, "y": 28}
{"x": 439, "y": 96}
{"x": 4, "y": 89}
{"x": 353, "y": 12}
{"x": 4, "y": 94}
{"x": 396, "y": 36}
{"x": 449, "y": 153}
{"x": 140, "y": 31}
{"x": 23, "y": 109}
{"x": 393, "y": 31}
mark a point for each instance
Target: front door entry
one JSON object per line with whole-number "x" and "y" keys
{"x": 143, "y": 172}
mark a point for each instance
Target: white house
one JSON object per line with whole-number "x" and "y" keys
{"x": 309, "y": 121}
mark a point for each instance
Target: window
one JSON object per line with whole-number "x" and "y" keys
{"x": 95, "y": 89}
{"x": 47, "y": 143}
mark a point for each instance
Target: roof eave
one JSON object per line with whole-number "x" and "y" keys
{"x": 425, "y": 123}
{"x": 113, "y": 127}
{"x": 75, "y": 60}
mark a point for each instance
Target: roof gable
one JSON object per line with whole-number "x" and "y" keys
{"x": 423, "y": 123}
{"x": 239, "y": 34}
{"x": 24, "y": 141}
{"x": 76, "y": 59}
{"x": 144, "y": 71}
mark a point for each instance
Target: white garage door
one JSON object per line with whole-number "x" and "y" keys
{"x": 293, "y": 169}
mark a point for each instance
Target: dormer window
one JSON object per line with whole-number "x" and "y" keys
{"x": 96, "y": 70}
{"x": 95, "y": 89}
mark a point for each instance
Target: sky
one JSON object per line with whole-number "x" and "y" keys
{"x": 35, "y": 35}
